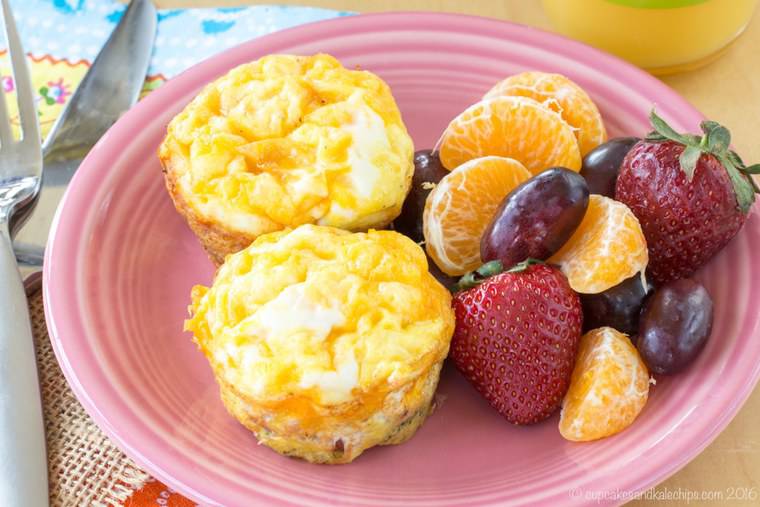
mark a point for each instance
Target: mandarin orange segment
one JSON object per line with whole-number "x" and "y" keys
{"x": 560, "y": 94}
{"x": 515, "y": 127}
{"x": 606, "y": 248}
{"x": 460, "y": 207}
{"x": 608, "y": 388}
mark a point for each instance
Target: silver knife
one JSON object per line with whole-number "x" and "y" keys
{"x": 109, "y": 88}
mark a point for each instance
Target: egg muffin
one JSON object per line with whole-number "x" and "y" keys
{"x": 285, "y": 141}
{"x": 325, "y": 342}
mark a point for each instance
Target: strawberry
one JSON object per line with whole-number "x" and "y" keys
{"x": 516, "y": 338}
{"x": 690, "y": 193}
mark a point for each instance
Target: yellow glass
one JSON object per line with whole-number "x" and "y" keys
{"x": 662, "y": 36}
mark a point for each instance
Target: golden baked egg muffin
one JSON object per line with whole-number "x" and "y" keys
{"x": 325, "y": 342}
{"x": 284, "y": 141}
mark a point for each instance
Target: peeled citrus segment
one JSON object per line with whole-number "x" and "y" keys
{"x": 561, "y": 95}
{"x": 515, "y": 127}
{"x": 606, "y": 248}
{"x": 608, "y": 388}
{"x": 460, "y": 207}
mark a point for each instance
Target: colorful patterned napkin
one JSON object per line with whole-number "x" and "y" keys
{"x": 62, "y": 38}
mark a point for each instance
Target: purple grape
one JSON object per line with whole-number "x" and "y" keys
{"x": 427, "y": 171}
{"x": 601, "y": 165}
{"x": 536, "y": 218}
{"x": 618, "y": 307}
{"x": 674, "y": 326}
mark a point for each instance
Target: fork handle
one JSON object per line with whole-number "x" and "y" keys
{"x": 23, "y": 461}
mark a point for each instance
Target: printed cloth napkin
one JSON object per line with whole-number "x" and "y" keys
{"x": 62, "y": 37}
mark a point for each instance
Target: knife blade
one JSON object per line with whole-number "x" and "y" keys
{"x": 109, "y": 88}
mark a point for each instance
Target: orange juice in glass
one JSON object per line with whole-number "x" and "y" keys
{"x": 663, "y": 36}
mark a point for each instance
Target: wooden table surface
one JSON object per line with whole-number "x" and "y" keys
{"x": 727, "y": 91}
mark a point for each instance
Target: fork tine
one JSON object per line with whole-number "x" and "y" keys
{"x": 26, "y": 108}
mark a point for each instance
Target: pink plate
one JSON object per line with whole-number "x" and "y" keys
{"x": 121, "y": 263}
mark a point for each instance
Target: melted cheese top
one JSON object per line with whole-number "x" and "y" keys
{"x": 289, "y": 140}
{"x": 323, "y": 313}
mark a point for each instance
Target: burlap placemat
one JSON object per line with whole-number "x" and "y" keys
{"x": 85, "y": 468}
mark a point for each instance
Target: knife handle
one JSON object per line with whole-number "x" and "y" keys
{"x": 23, "y": 461}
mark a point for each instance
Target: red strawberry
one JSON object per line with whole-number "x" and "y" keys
{"x": 690, "y": 193}
{"x": 516, "y": 338}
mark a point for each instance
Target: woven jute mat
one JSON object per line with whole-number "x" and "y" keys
{"x": 84, "y": 467}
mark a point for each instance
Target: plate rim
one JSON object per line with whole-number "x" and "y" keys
{"x": 190, "y": 79}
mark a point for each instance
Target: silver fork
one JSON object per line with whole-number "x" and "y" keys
{"x": 23, "y": 461}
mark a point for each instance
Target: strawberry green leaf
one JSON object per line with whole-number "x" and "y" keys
{"x": 475, "y": 278}
{"x": 468, "y": 281}
{"x": 735, "y": 159}
{"x": 654, "y": 136}
{"x": 522, "y": 266}
{"x": 490, "y": 269}
{"x": 708, "y": 125}
{"x": 661, "y": 127}
{"x": 743, "y": 188}
{"x": 688, "y": 160}
{"x": 718, "y": 139}
{"x": 754, "y": 184}
{"x": 753, "y": 169}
